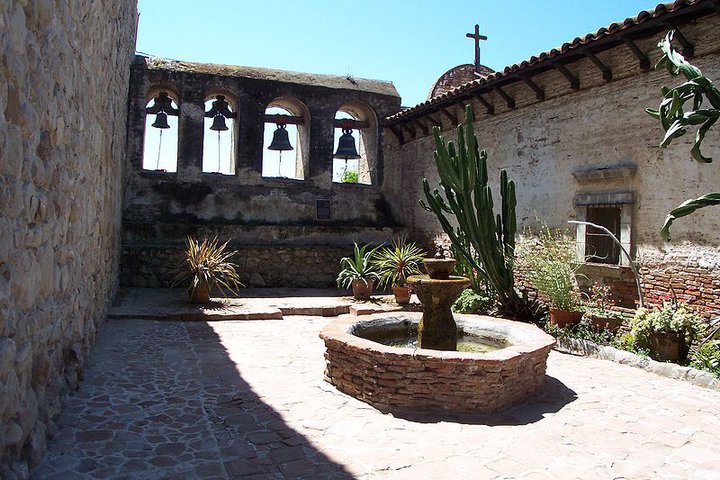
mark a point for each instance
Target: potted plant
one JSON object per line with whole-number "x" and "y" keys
{"x": 205, "y": 264}
{"x": 667, "y": 331}
{"x": 359, "y": 272}
{"x": 597, "y": 312}
{"x": 395, "y": 264}
{"x": 550, "y": 267}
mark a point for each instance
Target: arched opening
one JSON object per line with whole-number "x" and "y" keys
{"x": 286, "y": 139}
{"x": 160, "y": 144}
{"x": 219, "y": 136}
{"x": 355, "y": 142}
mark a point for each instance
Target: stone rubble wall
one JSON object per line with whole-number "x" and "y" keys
{"x": 258, "y": 266}
{"x": 64, "y": 73}
{"x": 541, "y": 144}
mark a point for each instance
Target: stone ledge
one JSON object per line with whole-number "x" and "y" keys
{"x": 621, "y": 171}
{"x": 250, "y": 304}
{"x": 670, "y": 370}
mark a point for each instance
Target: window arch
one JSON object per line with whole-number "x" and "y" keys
{"x": 219, "y": 135}
{"x": 291, "y": 116}
{"x": 355, "y": 125}
{"x": 160, "y": 142}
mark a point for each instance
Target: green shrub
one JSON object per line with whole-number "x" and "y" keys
{"x": 629, "y": 343}
{"x": 472, "y": 302}
{"x": 350, "y": 176}
{"x": 548, "y": 261}
{"x": 707, "y": 357}
{"x": 583, "y": 330}
{"x": 672, "y": 317}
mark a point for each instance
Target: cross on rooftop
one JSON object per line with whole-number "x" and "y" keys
{"x": 477, "y": 37}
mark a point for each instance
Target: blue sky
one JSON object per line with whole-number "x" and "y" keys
{"x": 408, "y": 42}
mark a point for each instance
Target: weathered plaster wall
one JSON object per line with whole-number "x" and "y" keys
{"x": 542, "y": 143}
{"x": 259, "y": 215}
{"x": 64, "y": 69}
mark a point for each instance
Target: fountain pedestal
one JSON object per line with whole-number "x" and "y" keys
{"x": 437, "y": 293}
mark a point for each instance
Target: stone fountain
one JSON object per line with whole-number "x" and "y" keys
{"x": 411, "y": 361}
{"x": 437, "y": 292}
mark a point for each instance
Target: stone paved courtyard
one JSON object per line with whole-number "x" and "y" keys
{"x": 246, "y": 399}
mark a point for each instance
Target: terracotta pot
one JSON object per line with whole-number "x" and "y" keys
{"x": 564, "y": 318}
{"x": 402, "y": 295}
{"x": 200, "y": 294}
{"x": 667, "y": 346}
{"x": 611, "y": 324}
{"x": 362, "y": 290}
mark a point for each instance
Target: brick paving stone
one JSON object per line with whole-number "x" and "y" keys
{"x": 246, "y": 399}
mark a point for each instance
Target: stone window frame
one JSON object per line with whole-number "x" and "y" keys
{"x": 297, "y": 108}
{"x": 626, "y": 202}
{"x": 233, "y": 99}
{"x": 152, "y": 92}
{"x": 367, "y": 142}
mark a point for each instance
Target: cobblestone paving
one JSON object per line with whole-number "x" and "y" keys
{"x": 246, "y": 399}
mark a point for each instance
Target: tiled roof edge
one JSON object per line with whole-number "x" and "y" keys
{"x": 567, "y": 48}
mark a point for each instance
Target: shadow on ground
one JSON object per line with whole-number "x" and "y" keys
{"x": 554, "y": 396}
{"x": 163, "y": 400}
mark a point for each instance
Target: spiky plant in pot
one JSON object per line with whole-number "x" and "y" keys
{"x": 396, "y": 263}
{"x": 359, "y": 272}
{"x": 206, "y": 265}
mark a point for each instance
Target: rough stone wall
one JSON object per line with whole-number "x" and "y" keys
{"x": 541, "y": 144}
{"x": 278, "y": 257}
{"x": 64, "y": 69}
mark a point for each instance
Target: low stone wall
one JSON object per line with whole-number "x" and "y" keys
{"x": 261, "y": 266}
{"x": 664, "y": 369}
{"x": 390, "y": 378}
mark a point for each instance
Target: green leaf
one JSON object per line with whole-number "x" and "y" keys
{"x": 686, "y": 208}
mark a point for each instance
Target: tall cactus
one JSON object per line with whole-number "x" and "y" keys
{"x": 469, "y": 199}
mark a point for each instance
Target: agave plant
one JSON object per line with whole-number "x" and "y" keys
{"x": 358, "y": 267}
{"x": 398, "y": 262}
{"x": 675, "y": 121}
{"x": 205, "y": 265}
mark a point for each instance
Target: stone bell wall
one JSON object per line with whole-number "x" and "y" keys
{"x": 64, "y": 69}
{"x": 276, "y": 223}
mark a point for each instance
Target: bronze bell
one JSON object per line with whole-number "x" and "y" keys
{"x": 346, "y": 146}
{"x": 161, "y": 120}
{"x": 281, "y": 140}
{"x": 218, "y": 124}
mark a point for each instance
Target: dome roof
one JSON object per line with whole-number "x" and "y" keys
{"x": 456, "y": 77}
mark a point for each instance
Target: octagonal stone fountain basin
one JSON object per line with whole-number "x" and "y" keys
{"x": 389, "y": 377}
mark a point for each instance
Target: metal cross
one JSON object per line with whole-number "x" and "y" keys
{"x": 477, "y": 37}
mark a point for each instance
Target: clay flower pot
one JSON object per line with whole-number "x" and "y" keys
{"x": 667, "y": 346}
{"x": 200, "y": 294}
{"x": 362, "y": 289}
{"x": 402, "y": 295}
{"x": 564, "y": 318}
{"x": 611, "y": 324}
